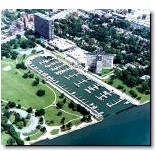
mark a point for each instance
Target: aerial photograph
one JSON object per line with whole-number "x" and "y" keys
{"x": 76, "y": 77}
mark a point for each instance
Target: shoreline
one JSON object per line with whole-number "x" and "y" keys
{"x": 74, "y": 128}
{"x": 49, "y": 136}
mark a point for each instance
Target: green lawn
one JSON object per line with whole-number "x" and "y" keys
{"x": 54, "y": 131}
{"x": 105, "y": 71}
{"x": 15, "y": 88}
{"x": 3, "y": 104}
{"x": 117, "y": 82}
{"x": 31, "y": 133}
{"x": 65, "y": 106}
{"x": 4, "y": 138}
{"x": 51, "y": 115}
{"x": 12, "y": 118}
{"x": 36, "y": 135}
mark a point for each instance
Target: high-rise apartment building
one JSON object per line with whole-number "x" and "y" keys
{"x": 44, "y": 25}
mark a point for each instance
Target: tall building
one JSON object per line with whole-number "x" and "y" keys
{"x": 96, "y": 61}
{"x": 44, "y": 25}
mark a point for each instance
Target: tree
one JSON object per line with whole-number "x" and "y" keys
{"x": 62, "y": 120}
{"x": 38, "y": 126}
{"x": 21, "y": 66}
{"x": 31, "y": 43}
{"x": 69, "y": 125}
{"x": 15, "y": 46}
{"x": 133, "y": 93}
{"x": 10, "y": 141}
{"x": 117, "y": 73}
{"x": 17, "y": 118}
{"x": 28, "y": 32}
{"x": 31, "y": 75}
{"x": 28, "y": 116}
{"x": 84, "y": 118}
{"x": 7, "y": 113}
{"x": 43, "y": 129}
{"x": 29, "y": 110}
{"x": 51, "y": 122}
{"x": 25, "y": 75}
{"x": 13, "y": 55}
{"x": 19, "y": 141}
{"x": 35, "y": 83}
{"x": 131, "y": 81}
{"x": 43, "y": 81}
{"x": 59, "y": 113}
{"x": 120, "y": 86}
{"x": 144, "y": 87}
{"x": 11, "y": 104}
{"x": 61, "y": 95}
{"x": 110, "y": 82}
{"x": 63, "y": 127}
{"x": 18, "y": 36}
{"x": 28, "y": 138}
{"x": 40, "y": 93}
{"x": 4, "y": 120}
{"x": 59, "y": 104}
{"x": 41, "y": 120}
{"x": 37, "y": 79}
{"x": 40, "y": 112}
{"x": 19, "y": 106}
{"x": 64, "y": 100}
{"x": 24, "y": 43}
{"x": 71, "y": 104}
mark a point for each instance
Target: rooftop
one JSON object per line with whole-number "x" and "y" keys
{"x": 43, "y": 16}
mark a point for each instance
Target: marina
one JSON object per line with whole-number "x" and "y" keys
{"x": 99, "y": 101}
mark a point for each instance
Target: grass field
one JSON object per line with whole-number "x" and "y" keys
{"x": 65, "y": 106}
{"x": 106, "y": 71}
{"x": 31, "y": 133}
{"x": 15, "y": 88}
{"x": 4, "y": 138}
{"x": 54, "y": 131}
{"x": 51, "y": 115}
{"x": 19, "y": 90}
{"x": 36, "y": 135}
{"x": 3, "y": 104}
{"x": 117, "y": 82}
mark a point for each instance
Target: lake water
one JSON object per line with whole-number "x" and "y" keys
{"x": 130, "y": 127}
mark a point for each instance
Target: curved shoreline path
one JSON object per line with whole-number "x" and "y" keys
{"x": 34, "y": 121}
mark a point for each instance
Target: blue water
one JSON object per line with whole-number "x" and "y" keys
{"x": 130, "y": 127}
